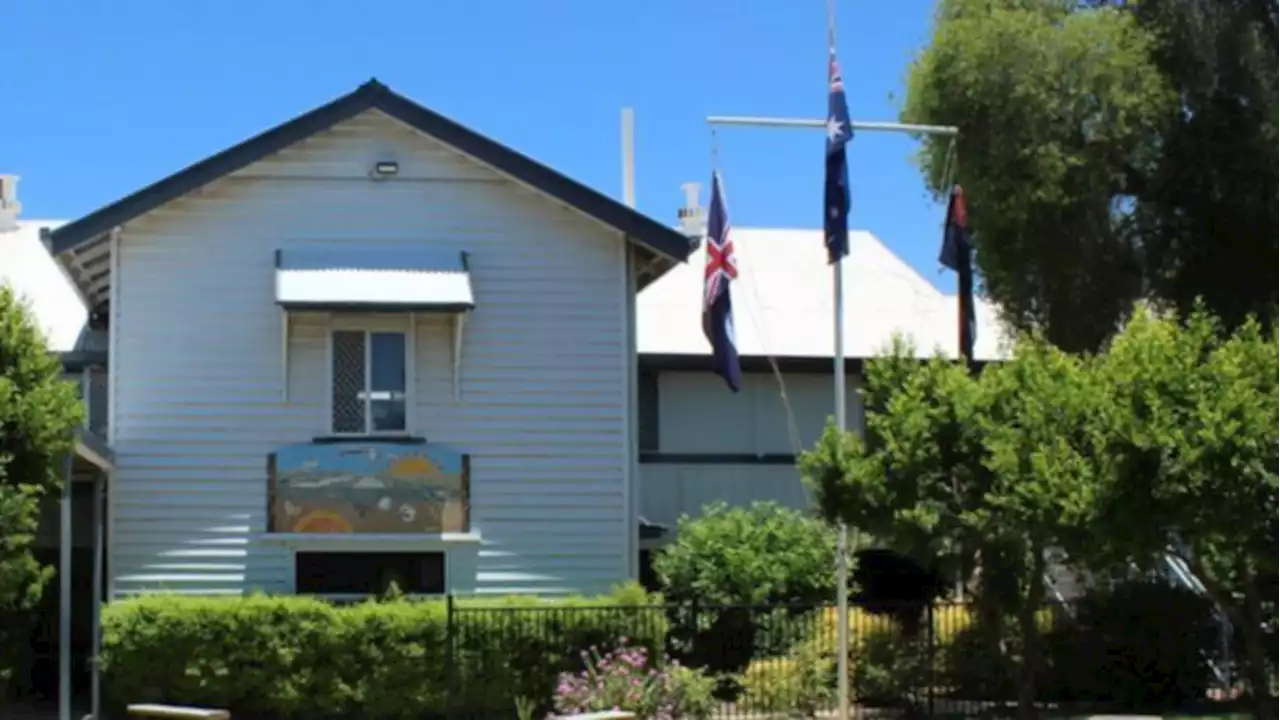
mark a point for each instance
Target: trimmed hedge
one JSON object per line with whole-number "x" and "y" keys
{"x": 291, "y": 657}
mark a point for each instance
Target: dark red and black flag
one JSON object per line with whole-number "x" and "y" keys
{"x": 957, "y": 255}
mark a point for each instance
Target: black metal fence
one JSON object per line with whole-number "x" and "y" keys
{"x": 939, "y": 660}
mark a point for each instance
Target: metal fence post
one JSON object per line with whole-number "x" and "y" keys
{"x": 694, "y": 648}
{"x": 932, "y": 639}
{"x": 450, "y": 643}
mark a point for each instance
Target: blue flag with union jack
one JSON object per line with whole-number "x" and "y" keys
{"x": 717, "y": 306}
{"x": 835, "y": 211}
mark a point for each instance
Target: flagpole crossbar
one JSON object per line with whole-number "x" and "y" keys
{"x": 942, "y": 130}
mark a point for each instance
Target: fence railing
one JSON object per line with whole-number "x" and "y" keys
{"x": 927, "y": 660}
{"x": 273, "y": 659}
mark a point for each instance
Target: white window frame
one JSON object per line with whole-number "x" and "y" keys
{"x": 370, "y": 326}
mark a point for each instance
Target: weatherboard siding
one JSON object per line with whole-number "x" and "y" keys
{"x": 198, "y": 392}
{"x": 699, "y": 416}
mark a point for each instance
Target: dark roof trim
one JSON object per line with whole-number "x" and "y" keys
{"x": 373, "y": 94}
{"x": 659, "y": 458}
{"x": 359, "y": 307}
{"x": 750, "y": 364}
{"x": 78, "y": 360}
{"x": 356, "y": 439}
{"x": 663, "y": 362}
{"x": 651, "y": 530}
{"x": 96, "y": 446}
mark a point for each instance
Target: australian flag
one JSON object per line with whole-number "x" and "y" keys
{"x": 839, "y": 133}
{"x": 717, "y": 307}
{"x": 957, "y": 255}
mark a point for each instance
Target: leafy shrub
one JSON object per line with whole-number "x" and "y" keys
{"x": 1139, "y": 646}
{"x": 978, "y": 663}
{"x": 630, "y": 678}
{"x": 760, "y": 554}
{"x": 975, "y": 669}
{"x": 800, "y": 684}
{"x": 748, "y": 557}
{"x": 1142, "y": 645}
{"x": 887, "y": 668}
{"x": 886, "y": 665}
{"x": 890, "y": 665}
{"x": 292, "y": 657}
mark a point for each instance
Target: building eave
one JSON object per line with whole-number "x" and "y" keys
{"x": 655, "y": 237}
{"x": 799, "y": 365}
{"x": 91, "y": 447}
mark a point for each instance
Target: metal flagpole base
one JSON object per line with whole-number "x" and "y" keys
{"x": 842, "y": 618}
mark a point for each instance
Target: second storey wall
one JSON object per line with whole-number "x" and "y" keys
{"x": 713, "y": 445}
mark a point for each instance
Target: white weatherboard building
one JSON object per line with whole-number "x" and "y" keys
{"x": 700, "y": 443}
{"x": 371, "y": 343}
{"x": 372, "y": 274}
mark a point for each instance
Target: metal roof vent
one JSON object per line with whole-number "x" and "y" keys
{"x": 693, "y": 221}
{"x": 9, "y": 205}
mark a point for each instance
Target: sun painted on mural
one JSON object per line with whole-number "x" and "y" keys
{"x": 367, "y": 488}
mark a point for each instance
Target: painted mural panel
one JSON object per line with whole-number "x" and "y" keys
{"x": 368, "y": 487}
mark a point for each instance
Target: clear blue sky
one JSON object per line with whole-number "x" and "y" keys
{"x": 101, "y": 98}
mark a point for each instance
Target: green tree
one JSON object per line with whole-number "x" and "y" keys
{"x": 1054, "y": 106}
{"x": 1192, "y": 449}
{"x": 1040, "y": 450}
{"x": 38, "y": 415}
{"x": 1110, "y": 150}
{"x": 1207, "y": 211}
{"x": 955, "y": 466}
{"x": 908, "y": 481}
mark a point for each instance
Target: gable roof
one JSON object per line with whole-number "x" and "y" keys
{"x": 33, "y": 275}
{"x": 783, "y": 303}
{"x": 649, "y": 233}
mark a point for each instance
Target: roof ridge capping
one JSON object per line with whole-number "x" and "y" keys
{"x": 661, "y": 239}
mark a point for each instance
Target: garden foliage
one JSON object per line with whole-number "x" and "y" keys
{"x": 294, "y": 657}
{"x": 654, "y": 687}
{"x": 39, "y": 413}
{"x": 727, "y": 565}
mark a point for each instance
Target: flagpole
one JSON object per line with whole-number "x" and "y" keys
{"x": 842, "y": 531}
{"x": 842, "y": 542}
{"x": 842, "y": 538}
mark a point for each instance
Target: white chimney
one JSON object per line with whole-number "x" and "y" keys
{"x": 9, "y": 205}
{"x": 693, "y": 221}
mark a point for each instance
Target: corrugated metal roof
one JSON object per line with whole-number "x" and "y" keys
{"x": 27, "y": 267}
{"x": 783, "y": 302}
{"x": 333, "y": 277}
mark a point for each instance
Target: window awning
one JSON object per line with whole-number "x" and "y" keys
{"x": 373, "y": 279}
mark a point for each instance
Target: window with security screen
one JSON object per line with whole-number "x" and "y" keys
{"x": 370, "y": 391}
